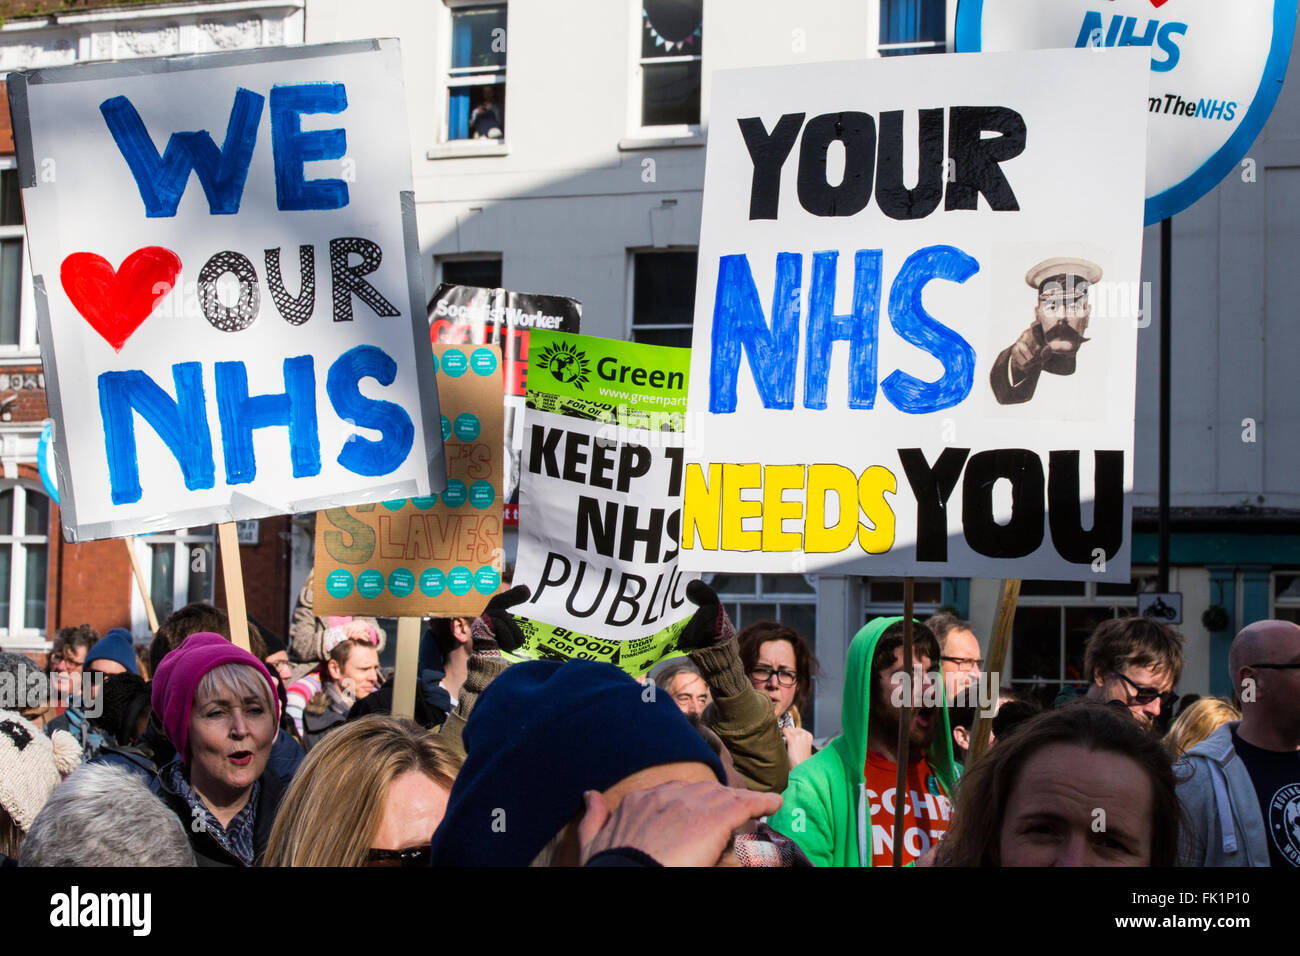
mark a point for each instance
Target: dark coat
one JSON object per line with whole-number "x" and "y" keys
{"x": 207, "y": 851}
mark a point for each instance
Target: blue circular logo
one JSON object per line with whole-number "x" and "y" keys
{"x": 370, "y": 583}
{"x": 459, "y": 581}
{"x": 455, "y": 494}
{"x": 401, "y": 582}
{"x": 432, "y": 582}
{"x": 487, "y": 580}
{"x": 467, "y": 427}
{"x": 482, "y": 494}
{"x": 397, "y": 504}
{"x": 454, "y": 363}
{"x": 425, "y": 502}
{"x": 483, "y": 361}
{"x": 446, "y": 427}
{"x": 338, "y": 583}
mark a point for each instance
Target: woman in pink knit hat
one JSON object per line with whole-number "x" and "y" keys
{"x": 219, "y": 708}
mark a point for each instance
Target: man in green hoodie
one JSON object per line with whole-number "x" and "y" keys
{"x": 839, "y": 806}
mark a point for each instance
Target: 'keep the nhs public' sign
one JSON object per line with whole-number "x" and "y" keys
{"x": 227, "y": 285}
{"x": 1216, "y": 71}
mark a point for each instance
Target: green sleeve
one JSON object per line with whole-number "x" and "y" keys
{"x": 805, "y": 818}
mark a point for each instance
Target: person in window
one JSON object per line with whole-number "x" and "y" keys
{"x": 1035, "y": 799}
{"x": 840, "y": 804}
{"x": 218, "y": 706}
{"x": 485, "y": 119}
{"x": 782, "y": 667}
{"x": 371, "y": 794}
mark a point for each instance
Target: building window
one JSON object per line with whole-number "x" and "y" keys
{"x": 181, "y": 568}
{"x": 482, "y": 272}
{"x": 912, "y": 26}
{"x": 663, "y": 297}
{"x": 672, "y": 44}
{"x": 12, "y": 332}
{"x": 1053, "y": 622}
{"x": 24, "y": 560}
{"x": 476, "y": 82}
{"x": 790, "y": 599}
{"x": 1286, "y": 596}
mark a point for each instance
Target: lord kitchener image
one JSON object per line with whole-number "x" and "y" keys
{"x": 1051, "y": 344}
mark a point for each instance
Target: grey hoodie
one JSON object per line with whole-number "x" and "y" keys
{"x": 1223, "y": 825}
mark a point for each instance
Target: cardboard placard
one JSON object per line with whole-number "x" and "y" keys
{"x": 227, "y": 281}
{"x": 917, "y": 316}
{"x": 459, "y": 313}
{"x": 435, "y": 556}
{"x": 600, "y": 501}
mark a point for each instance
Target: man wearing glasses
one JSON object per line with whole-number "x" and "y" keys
{"x": 1240, "y": 787}
{"x": 959, "y": 656}
{"x": 1134, "y": 662}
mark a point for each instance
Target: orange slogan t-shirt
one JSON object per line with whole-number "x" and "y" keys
{"x": 921, "y": 831}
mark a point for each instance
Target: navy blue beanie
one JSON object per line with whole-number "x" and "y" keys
{"x": 116, "y": 645}
{"x": 542, "y": 734}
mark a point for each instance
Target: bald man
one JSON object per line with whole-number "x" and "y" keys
{"x": 1242, "y": 788}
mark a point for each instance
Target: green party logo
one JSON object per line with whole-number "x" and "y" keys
{"x": 567, "y": 364}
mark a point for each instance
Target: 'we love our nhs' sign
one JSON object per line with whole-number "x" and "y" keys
{"x": 1216, "y": 72}
{"x": 227, "y": 285}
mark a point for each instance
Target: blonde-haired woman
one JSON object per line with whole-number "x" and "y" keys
{"x": 1197, "y": 722}
{"x": 371, "y": 793}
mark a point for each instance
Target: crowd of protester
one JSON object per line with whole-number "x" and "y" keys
{"x": 191, "y": 750}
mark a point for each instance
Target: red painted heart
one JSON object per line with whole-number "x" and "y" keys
{"x": 1158, "y": 3}
{"x": 115, "y": 303}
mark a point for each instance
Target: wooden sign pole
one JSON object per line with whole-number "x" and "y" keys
{"x": 233, "y": 574}
{"x": 998, "y": 644}
{"x": 408, "y": 663}
{"x": 139, "y": 583}
{"x": 904, "y": 724}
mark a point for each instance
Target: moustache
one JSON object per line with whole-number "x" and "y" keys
{"x": 1062, "y": 331}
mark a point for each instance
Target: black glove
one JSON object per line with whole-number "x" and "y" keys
{"x": 709, "y": 625}
{"x": 495, "y": 629}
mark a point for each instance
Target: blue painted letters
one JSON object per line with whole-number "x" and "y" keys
{"x": 241, "y": 414}
{"x": 293, "y": 147}
{"x": 362, "y": 455}
{"x": 181, "y": 424}
{"x": 738, "y": 322}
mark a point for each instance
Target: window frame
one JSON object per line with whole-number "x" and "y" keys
{"x": 21, "y": 636}
{"x": 915, "y": 46}
{"x": 1280, "y": 607}
{"x": 26, "y": 348}
{"x": 182, "y": 541}
{"x": 1061, "y": 602}
{"x": 439, "y": 261}
{"x": 631, "y": 326}
{"x": 639, "y": 129}
{"x": 458, "y": 77}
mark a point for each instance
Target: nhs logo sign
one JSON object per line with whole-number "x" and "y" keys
{"x": 1216, "y": 72}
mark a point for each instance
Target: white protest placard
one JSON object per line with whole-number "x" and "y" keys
{"x": 227, "y": 282}
{"x": 1216, "y": 72}
{"x": 600, "y": 501}
{"x": 916, "y": 318}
